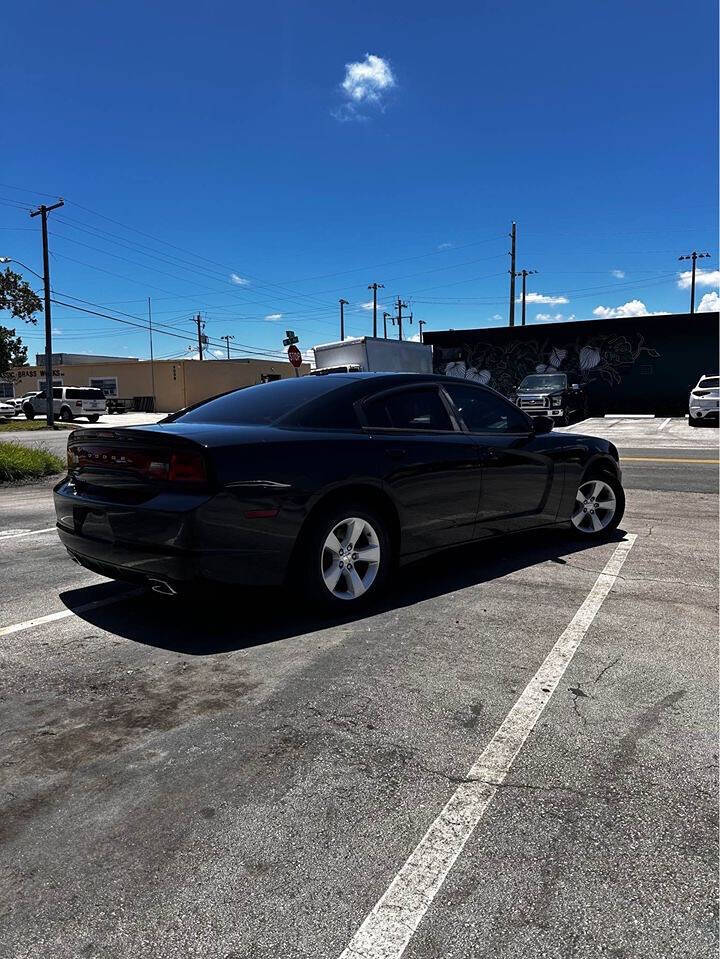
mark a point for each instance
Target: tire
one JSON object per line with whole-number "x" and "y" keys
{"x": 693, "y": 421}
{"x": 325, "y": 546}
{"x": 591, "y": 519}
{"x": 29, "y": 412}
{"x": 93, "y": 417}
{"x": 66, "y": 414}
{"x": 563, "y": 420}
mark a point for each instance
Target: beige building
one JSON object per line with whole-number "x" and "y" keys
{"x": 174, "y": 384}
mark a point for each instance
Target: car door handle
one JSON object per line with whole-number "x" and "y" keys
{"x": 395, "y": 452}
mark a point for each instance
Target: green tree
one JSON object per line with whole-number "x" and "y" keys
{"x": 12, "y": 350}
{"x": 18, "y": 298}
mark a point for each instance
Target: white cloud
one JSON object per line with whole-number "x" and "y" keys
{"x": 238, "y": 280}
{"x": 274, "y": 316}
{"x": 702, "y": 278}
{"x": 367, "y": 306}
{"x": 445, "y": 246}
{"x": 543, "y": 298}
{"x": 496, "y": 316}
{"x": 368, "y": 79}
{"x": 366, "y": 82}
{"x": 631, "y": 308}
{"x": 618, "y": 274}
{"x": 220, "y": 353}
{"x": 710, "y": 303}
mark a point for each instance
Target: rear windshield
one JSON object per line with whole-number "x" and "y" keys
{"x": 709, "y": 383}
{"x": 552, "y": 381}
{"x": 84, "y": 394}
{"x": 258, "y": 405}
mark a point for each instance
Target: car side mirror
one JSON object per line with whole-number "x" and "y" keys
{"x": 576, "y": 386}
{"x": 542, "y": 424}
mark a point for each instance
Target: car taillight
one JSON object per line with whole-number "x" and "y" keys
{"x": 187, "y": 468}
{"x": 78, "y": 402}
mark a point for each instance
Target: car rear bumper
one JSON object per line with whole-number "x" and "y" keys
{"x": 202, "y": 538}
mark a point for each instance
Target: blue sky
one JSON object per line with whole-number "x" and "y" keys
{"x": 256, "y": 162}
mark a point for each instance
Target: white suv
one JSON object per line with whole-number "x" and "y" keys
{"x": 704, "y": 401}
{"x": 68, "y": 403}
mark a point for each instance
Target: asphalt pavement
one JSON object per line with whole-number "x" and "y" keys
{"x": 240, "y": 778}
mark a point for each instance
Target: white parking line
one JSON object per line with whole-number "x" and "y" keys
{"x": 387, "y": 930}
{"x": 63, "y": 613}
{"x": 664, "y": 423}
{"x": 12, "y": 533}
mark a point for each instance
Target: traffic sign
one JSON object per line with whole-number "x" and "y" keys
{"x": 295, "y": 356}
{"x": 291, "y": 338}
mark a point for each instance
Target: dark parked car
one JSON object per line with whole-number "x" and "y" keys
{"x": 548, "y": 394}
{"x": 326, "y": 481}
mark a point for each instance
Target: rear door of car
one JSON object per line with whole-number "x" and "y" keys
{"x": 429, "y": 465}
{"x": 518, "y": 485}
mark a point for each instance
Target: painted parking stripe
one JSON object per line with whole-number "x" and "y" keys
{"x": 387, "y": 930}
{"x": 64, "y": 613}
{"x": 12, "y": 533}
{"x": 666, "y": 459}
{"x": 664, "y": 423}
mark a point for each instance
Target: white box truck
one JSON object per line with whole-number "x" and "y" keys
{"x": 370, "y": 354}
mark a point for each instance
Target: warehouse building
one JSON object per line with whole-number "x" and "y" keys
{"x": 162, "y": 385}
{"x": 639, "y": 364}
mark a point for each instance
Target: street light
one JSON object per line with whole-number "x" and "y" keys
{"x": 11, "y": 259}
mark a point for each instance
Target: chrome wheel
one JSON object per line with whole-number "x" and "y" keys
{"x": 350, "y": 558}
{"x": 595, "y": 506}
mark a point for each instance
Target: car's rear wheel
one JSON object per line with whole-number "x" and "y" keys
{"x": 347, "y": 557}
{"x": 29, "y": 412}
{"x": 93, "y": 418}
{"x": 66, "y": 414}
{"x": 599, "y": 506}
{"x": 693, "y": 421}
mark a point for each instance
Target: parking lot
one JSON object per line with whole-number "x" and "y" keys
{"x": 514, "y": 755}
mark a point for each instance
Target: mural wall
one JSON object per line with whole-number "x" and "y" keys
{"x": 642, "y": 364}
{"x": 503, "y": 366}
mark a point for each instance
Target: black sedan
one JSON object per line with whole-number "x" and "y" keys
{"x": 325, "y": 481}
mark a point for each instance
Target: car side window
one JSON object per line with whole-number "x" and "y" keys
{"x": 483, "y": 412}
{"x": 408, "y": 410}
{"x": 57, "y": 392}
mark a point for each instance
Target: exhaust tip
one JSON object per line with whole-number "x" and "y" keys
{"x": 160, "y": 586}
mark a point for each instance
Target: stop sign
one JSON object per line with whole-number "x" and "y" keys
{"x": 295, "y": 356}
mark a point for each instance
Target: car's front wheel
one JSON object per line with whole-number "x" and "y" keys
{"x": 599, "y": 506}
{"x": 66, "y": 414}
{"x": 347, "y": 557}
{"x": 29, "y": 412}
{"x": 93, "y": 417}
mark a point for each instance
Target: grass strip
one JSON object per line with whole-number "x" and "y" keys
{"x": 19, "y": 462}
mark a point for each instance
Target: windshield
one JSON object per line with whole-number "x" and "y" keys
{"x": 544, "y": 381}
{"x": 709, "y": 383}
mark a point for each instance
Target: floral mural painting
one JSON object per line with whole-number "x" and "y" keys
{"x": 604, "y": 357}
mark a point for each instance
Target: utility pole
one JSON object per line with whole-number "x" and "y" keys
{"x": 421, "y": 324}
{"x": 343, "y": 304}
{"x": 227, "y": 342}
{"x": 375, "y": 287}
{"x": 152, "y": 359}
{"x": 400, "y": 307}
{"x": 43, "y": 211}
{"x": 386, "y": 317}
{"x": 198, "y": 320}
{"x": 694, "y": 256}
{"x": 513, "y": 236}
{"x": 524, "y": 274}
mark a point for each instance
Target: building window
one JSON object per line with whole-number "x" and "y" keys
{"x": 56, "y": 382}
{"x": 6, "y": 389}
{"x": 108, "y": 384}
